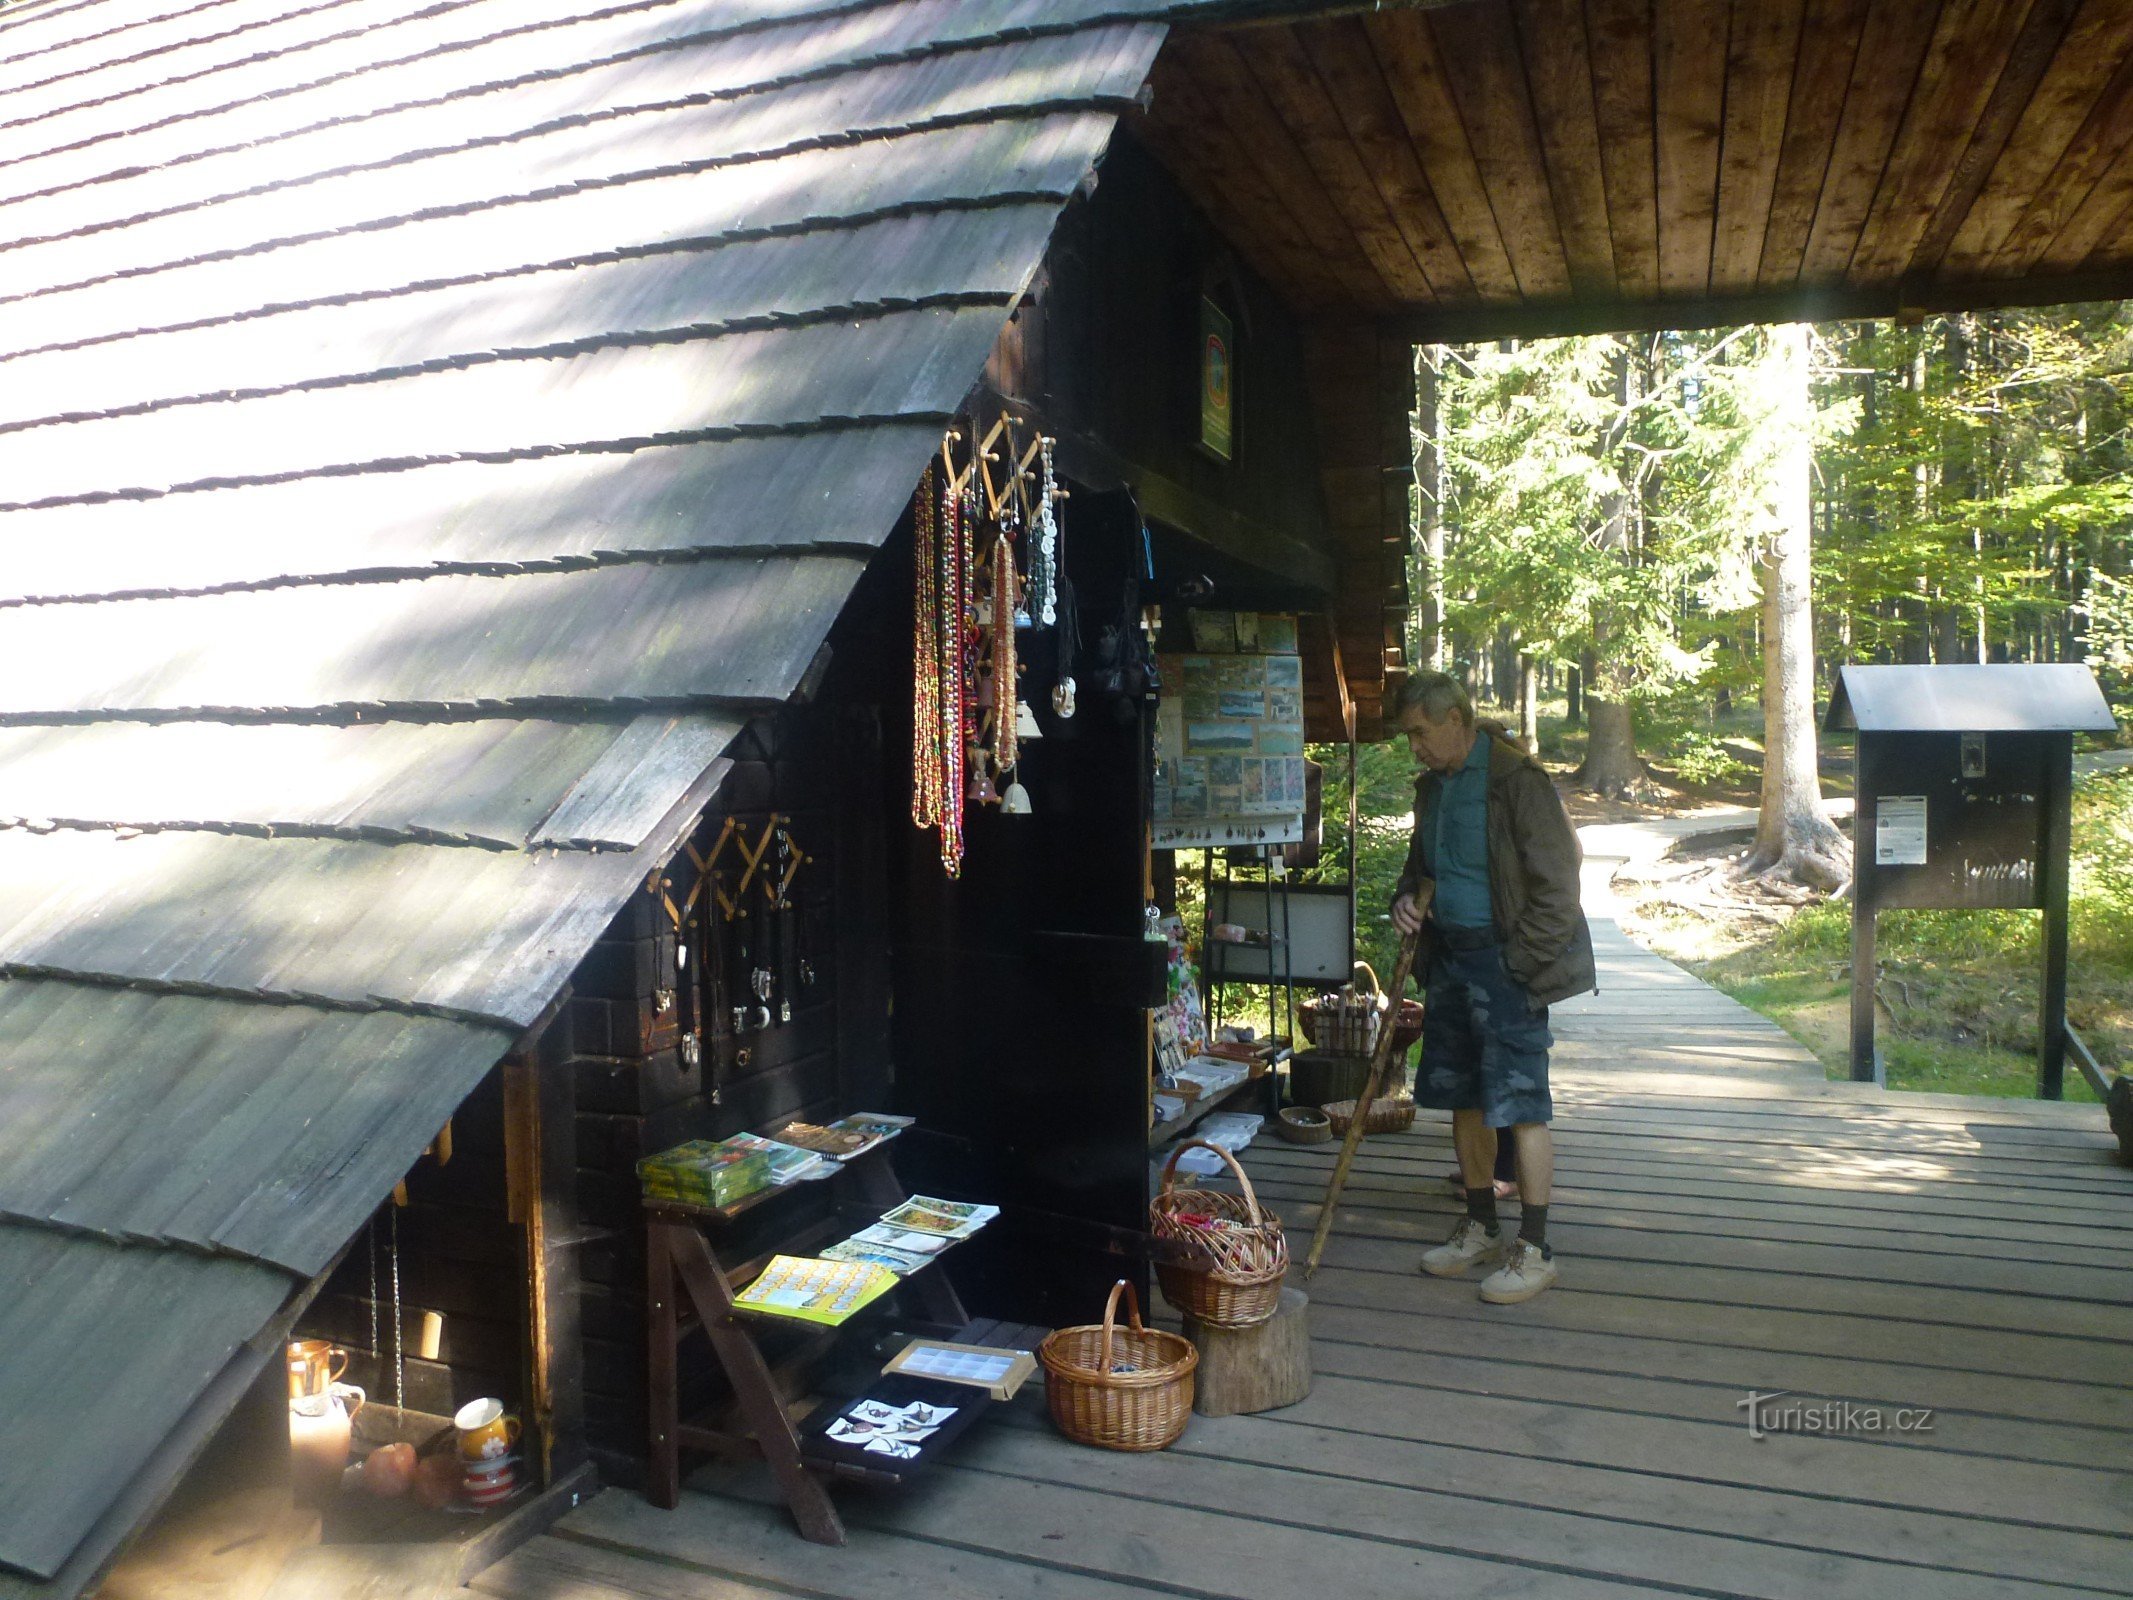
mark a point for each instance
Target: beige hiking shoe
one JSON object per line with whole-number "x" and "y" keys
{"x": 1524, "y": 1273}
{"x": 1470, "y": 1242}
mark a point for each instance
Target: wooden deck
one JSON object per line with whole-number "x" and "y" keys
{"x": 1723, "y": 1228}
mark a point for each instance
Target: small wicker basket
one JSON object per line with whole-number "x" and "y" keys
{"x": 1240, "y": 1252}
{"x": 1393, "y": 1113}
{"x": 1303, "y": 1125}
{"x": 1119, "y": 1388}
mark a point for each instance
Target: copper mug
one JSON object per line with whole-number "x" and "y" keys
{"x": 315, "y": 1366}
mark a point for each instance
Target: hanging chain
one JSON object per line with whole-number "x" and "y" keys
{"x": 399, "y": 1338}
{"x": 370, "y": 1253}
{"x": 1044, "y": 554}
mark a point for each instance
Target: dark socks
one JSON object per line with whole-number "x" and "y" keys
{"x": 1481, "y": 1205}
{"x": 1533, "y": 1226}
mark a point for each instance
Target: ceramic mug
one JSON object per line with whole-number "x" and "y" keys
{"x": 313, "y": 1368}
{"x": 485, "y": 1433}
{"x": 490, "y": 1483}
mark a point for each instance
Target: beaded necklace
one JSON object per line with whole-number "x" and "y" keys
{"x": 954, "y": 578}
{"x": 1003, "y": 653}
{"x": 926, "y": 772}
{"x": 1044, "y": 557}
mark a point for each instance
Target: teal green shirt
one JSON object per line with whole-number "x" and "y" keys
{"x": 1459, "y": 841}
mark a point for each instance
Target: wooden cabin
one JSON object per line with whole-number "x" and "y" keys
{"x": 460, "y": 463}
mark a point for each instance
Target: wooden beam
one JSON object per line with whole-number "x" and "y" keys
{"x": 1421, "y": 92}
{"x": 1191, "y": 139}
{"x": 1762, "y": 49}
{"x": 1297, "y": 96}
{"x": 1689, "y": 76}
{"x": 1829, "y": 48}
{"x": 2013, "y": 95}
{"x": 1894, "y": 43}
{"x": 1619, "y": 39}
{"x": 1488, "y": 84}
{"x": 1963, "y": 66}
{"x": 1559, "y": 76}
{"x": 2079, "y": 71}
{"x": 2088, "y": 156}
{"x": 1355, "y": 84}
{"x": 1842, "y": 302}
{"x": 1229, "y": 85}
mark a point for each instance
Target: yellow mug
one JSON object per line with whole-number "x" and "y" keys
{"x": 484, "y": 1431}
{"x": 312, "y": 1367}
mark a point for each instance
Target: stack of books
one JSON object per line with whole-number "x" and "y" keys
{"x": 701, "y": 1173}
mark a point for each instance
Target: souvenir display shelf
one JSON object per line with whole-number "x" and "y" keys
{"x": 688, "y": 1286}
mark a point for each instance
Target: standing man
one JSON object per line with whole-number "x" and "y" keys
{"x": 1504, "y": 938}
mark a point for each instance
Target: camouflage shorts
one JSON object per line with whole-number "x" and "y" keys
{"x": 1484, "y": 1046}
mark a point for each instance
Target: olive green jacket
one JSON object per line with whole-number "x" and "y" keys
{"x": 1533, "y": 874}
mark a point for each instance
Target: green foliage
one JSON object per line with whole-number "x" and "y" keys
{"x": 1972, "y": 497}
{"x": 1960, "y": 987}
{"x": 1702, "y": 761}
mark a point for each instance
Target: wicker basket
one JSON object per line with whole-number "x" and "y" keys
{"x": 1240, "y": 1252}
{"x": 1119, "y": 1388}
{"x": 1388, "y": 1114}
{"x": 1347, "y": 1023}
{"x": 1303, "y": 1125}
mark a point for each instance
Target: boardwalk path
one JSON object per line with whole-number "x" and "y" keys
{"x": 1728, "y": 1221}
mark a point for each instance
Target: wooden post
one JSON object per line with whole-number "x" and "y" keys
{"x": 1379, "y": 1057}
{"x": 1866, "y": 1066}
{"x": 2057, "y": 802}
{"x": 1259, "y": 1368}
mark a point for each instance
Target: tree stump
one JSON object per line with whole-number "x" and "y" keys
{"x": 1254, "y": 1369}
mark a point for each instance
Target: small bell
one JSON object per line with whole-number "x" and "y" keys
{"x": 1063, "y": 697}
{"x": 979, "y": 791}
{"x": 1015, "y": 803}
{"x": 1026, "y": 722}
{"x": 983, "y": 698}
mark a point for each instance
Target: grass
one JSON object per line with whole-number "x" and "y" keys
{"x": 1958, "y": 988}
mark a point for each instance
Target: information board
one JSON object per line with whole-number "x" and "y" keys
{"x": 1229, "y": 737}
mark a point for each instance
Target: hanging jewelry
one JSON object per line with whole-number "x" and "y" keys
{"x": 926, "y": 770}
{"x": 1003, "y": 653}
{"x": 1045, "y": 549}
{"x": 958, "y": 507}
{"x": 399, "y": 1350}
{"x": 377, "y": 1350}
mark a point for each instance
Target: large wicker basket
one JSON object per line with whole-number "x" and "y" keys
{"x": 1238, "y": 1252}
{"x": 1119, "y": 1388}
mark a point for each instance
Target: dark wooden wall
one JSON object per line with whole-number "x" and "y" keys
{"x": 1362, "y": 387}
{"x": 818, "y": 766}
{"x": 1311, "y": 512}
{"x": 460, "y": 1255}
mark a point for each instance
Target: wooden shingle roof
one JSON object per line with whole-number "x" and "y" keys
{"x": 429, "y": 429}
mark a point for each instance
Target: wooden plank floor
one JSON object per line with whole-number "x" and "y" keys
{"x": 1727, "y": 1222}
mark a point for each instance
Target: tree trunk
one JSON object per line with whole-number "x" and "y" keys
{"x": 1612, "y": 767}
{"x": 1529, "y": 723}
{"x": 1429, "y": 487}
{"x": 1574, "y": 698}
{"x": 1794, "y": 838}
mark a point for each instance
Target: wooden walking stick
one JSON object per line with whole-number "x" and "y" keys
{"x": 1380, "y": 1058}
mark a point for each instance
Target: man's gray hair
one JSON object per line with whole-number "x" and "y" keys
{"x": 1436, "y": 695}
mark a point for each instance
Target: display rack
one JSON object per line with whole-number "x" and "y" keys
{"x": 688, "y": 1286}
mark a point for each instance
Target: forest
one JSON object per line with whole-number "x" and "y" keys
{"x": 1648, "y": 553}
{"x": 1595, "y": 515}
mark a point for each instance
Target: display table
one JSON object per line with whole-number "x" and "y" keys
{"x": 687, "y": 1285}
